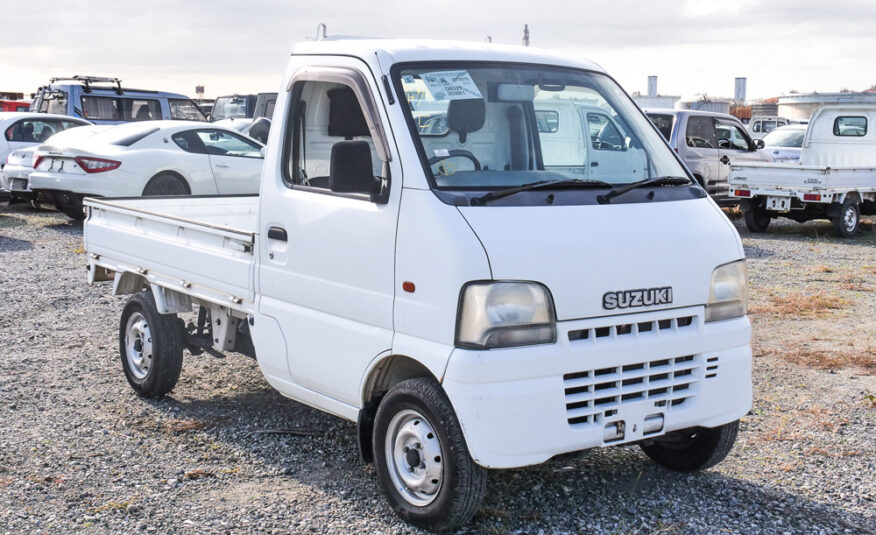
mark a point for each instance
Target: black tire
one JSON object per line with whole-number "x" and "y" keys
{"x": 462, "y": 482}
{"x": 695, "y": 449}
{"x": 848, "y": 221}
{"x": 162, "y": 338}
{"x": 166, "y": 184}
{"x": 757, "y": 220}
{"x": 75, "y": 213}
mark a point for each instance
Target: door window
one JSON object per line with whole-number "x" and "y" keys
{"x": 100, "y": 108}
{"x": 756, "y": 127}
{"x": 222, "y": 143}
{"x": 548, "y": 121}
{"x": 730, "y": 136}
{"x": 701, "y": 132}
{"x": 323, "y": 115}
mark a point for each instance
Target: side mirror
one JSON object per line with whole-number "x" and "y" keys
{"x": 262, "y": 152}
{"x": 758, "y": 144}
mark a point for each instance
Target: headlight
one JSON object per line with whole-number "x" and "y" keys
{"x": 728, "y": 295}
{"x": 505, "y": 314}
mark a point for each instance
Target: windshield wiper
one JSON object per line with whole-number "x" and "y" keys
{"x": 653, "y": 181}
{"x": 563, "y": 183}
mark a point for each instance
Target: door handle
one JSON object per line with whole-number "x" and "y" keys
{"x": 725, "y": 160}
{"x": 277, "y": 233}
{"x": 594, "y": 164}
{"x": 222, "y": 165}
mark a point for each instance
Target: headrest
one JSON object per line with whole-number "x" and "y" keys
{"x": 351, "y": 170}
{"x": 345, "y": 114}
{"x": 464, "y": 116}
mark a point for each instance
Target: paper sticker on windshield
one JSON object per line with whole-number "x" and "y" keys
{"x": 451, "y": 85}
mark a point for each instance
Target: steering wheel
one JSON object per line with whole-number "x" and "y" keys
{"x": 454, "y": 154}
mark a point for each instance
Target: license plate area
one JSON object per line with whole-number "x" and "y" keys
{"x": 18, "y": 184}
{"x": 778, "y": 204}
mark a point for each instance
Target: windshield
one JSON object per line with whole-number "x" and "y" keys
{"x": 229, "y": 108}
{"x": 790, "y": 137}
{"x": 663, "y": 122}
{"x": 503, "y": 125}
{"x": 53, "y": 101}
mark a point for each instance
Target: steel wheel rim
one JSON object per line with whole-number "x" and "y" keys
{"x": 850, "y": 218}
{"x": 138, "y": 346}
{"x": 414, "y": 458}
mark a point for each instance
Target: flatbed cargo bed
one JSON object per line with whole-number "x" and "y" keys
{"x": 198, "y": 246}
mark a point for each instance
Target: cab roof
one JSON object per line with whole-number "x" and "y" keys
{"x": 405, "y": 50}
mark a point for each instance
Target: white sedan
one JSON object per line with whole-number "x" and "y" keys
{"x": 147, "y": 158}
{"x": 24, "y": 129}
{"x": 19, "y": 164}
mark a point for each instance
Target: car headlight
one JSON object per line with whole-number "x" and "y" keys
{"x": 505, "y": 314}
{"x": 728, "y": 294}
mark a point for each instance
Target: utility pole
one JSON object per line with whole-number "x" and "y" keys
{"x": 526, "y": 35}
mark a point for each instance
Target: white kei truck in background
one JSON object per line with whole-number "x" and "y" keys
{"x": 835, "y": 178}
{"x": 469, "y": 298}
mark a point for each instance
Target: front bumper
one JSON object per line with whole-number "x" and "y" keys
{"x": 522, "y": 406}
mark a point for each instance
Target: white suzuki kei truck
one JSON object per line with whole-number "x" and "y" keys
{"x": 421, "y": 261}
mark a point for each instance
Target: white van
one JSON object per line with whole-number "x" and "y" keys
{"x": 471, "y": 295}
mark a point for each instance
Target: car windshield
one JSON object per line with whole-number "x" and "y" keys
{"x": 485, "y": 126}
{"x": 53, "y": 101}
{"x": 785, "y": 137}
{"x": 229, "y": 108}
{"x": 663, "y": 122}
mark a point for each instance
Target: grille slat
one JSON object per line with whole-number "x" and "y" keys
{"x": 632, "y": 330}
{"x": 593, "y": 395}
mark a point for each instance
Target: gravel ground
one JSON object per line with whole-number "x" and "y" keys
{"x": 80, "y": 453}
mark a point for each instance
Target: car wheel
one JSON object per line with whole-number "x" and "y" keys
{"x": 166, "y": 184}
{"x": 693, "y": 449}
{"x": 757, "y": 220}
{"x": 422, "y": 460}
{"x": 848, "y": 221}
{"x": 150, "y": 345}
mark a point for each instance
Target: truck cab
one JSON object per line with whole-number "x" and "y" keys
{"x": 104, "y": 101}
{"x": 475, "y": 295}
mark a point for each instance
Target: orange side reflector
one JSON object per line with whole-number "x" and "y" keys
{"x": 408, "y": 286}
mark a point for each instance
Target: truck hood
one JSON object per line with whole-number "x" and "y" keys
{"x": 583, "y": 252}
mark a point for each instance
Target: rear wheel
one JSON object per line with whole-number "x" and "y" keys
{"x": 166, "y": 184}
{"x": 757, "y": 219}
{"x": 848, "y": 221}
{"x": 421, "y": 458}
{"x": 150, "y": 345}
{"x": 693, "y": 449}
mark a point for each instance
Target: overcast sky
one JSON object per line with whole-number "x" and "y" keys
{"x": 694, "y": 46}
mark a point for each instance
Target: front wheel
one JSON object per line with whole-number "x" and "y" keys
{"x": 848, "y": 221}
{"x": 693, "y": 449}
{"x": 757, "y": 220}
{"x": 150, "y": 345}
{"x": 421, "y": 458}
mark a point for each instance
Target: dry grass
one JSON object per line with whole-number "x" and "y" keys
{"x": 864, "y": 359}
{"x": 824, "y": 269}
{"x": 814, "y": 450}
{"x": 198, "y": 474}
{"x": 800, "y": 304}
{"x": 733, "y": 212}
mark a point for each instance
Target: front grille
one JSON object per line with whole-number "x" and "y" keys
{"x": 634, "y": 328}
{"x": 596, "y": 394}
